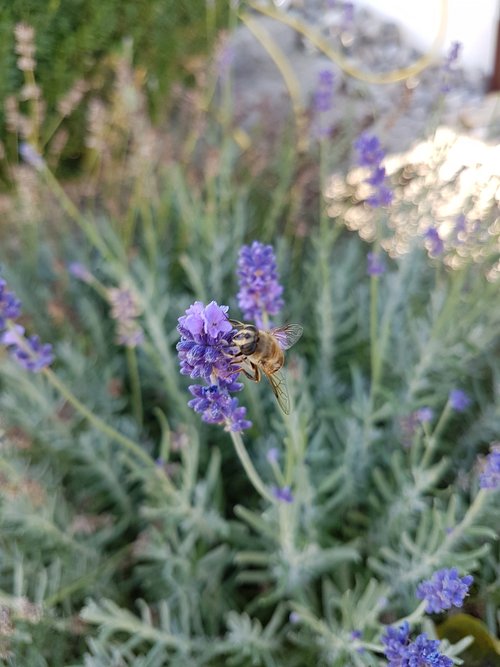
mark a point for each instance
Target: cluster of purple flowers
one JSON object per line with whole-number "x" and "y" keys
{"x": 371, "y": 154}
{"x": 205, "y": 351}
{"x": 28, "y": 351}
{"x": 490, "y": 477}
{"x": 323, "y": 103}
{"x": 422, "y": 652}
{"x": 445, "y": 590}
{"x": 260, "y": 292}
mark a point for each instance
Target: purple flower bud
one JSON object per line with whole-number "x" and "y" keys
{"x": 445, "y": 590}
{"x": 459, "y": 400}
{"x": 424, "y": 415}
{"x": 80, "y": 272}
{"x": 374, "y": 264}
{"x": 272, "y": 455}
{"x": 370, "y": 154}
{"x": 435, "y": 243}
{"x": 490, "y": 477}
{"x": 283, "y": 494}
{"x": 31, "y": 156}
{"x": 260, "y": 292}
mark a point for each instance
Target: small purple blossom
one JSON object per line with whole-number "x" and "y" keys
{"x": 490, "y": 477}
{"x": 10, "y": 306}
{"x": 284, "y": 494}
{"x": 272, "y": 455}
{"x": 260, "y": 292}
{"x": 424, "y": 415}
{"x": 449, "y": 65}
{"x": 294, "y": 617}
{"x": 205, "y": 351}
{"x": 80, "y": 272}
{"x": 29, "y": 352}
{"x": 422, "y": 652}
{"x": 31, "y": 156}
{"x": 323, "y": 96}
{"x": 435, "y": 243}
{"x": 375, "y": 265}
{"x": 395, "y": 641}
{"x": 459, "y": 400}
{"x": 371, "y": 154}
{"x": 445, "y": 590}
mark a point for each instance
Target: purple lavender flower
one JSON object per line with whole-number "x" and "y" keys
{"x": 80, "y": 272}
{"x": 205, "y": 351}
{"x": 371, "y": 154}
{"x": 260, "y": 292}
{"x": 31, "y": 156}
{"x": 449, "y": 64}
{"x": 422, "y": 652}
{"x": 323, "y": 103}
{"x": 375, "y": 265}
{"x": 272, "y": 455}
{"x": 435, "y": 243}
{"x": 10, "y": 306}
{"x": 424, "y": 415}
{"x": 125, "y": 309}
{"x": 459, "y": 400}
{"x": 284, "y": 494}
{"x": 395, "y": 641}
{"x": 294, "y": 617}
{"x": 445, "y": 590}
{"x": 490, "y": 477}
{"x": 29, "y": 352}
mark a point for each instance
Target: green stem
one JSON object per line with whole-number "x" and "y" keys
{"x": 374, "y": 351}
{"x": 135, "y": 384}
{"x": 247, "y": 464}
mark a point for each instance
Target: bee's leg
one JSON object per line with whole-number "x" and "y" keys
{"x": 255, "y": 376}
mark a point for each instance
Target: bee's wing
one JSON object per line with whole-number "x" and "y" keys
{"x": 287, "y": 335}
{"x": 278, "y": 383}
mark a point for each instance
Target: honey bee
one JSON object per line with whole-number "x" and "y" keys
{"x": 263, "y": 351}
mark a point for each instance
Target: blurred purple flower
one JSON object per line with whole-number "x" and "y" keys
{"x": 448, "y": 66}
{"x": 490, "y": 477}
{"x": 424, "y": 415}
{"x": 435, "y": 243}
{"x": 459, "y": 400}
{"x": 260, "y": 292}
{"x": 80, "y": 272}
{"x": 371, "y": 154}
{"x": 375, "y": 265}
{"x": 284, "y": 494}
{"x": 28, "y": 352}
{"x": 445, "y": 590}
{"x": 422, "y": 652}
{"x": 31, "y": 156}
{"x": 272, "y": 455}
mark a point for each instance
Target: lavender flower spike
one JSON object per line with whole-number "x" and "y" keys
{"x": 260, "y": 292}
{"x": 445, "y": 590}
{"x": 125, "y": 309}
{"x": 371, "y": 154}
{"x": 490, "y": 477}
{"x": 28, "y": 352}
{"x": 422, "y": 652}
{"x": 205, "y": 352}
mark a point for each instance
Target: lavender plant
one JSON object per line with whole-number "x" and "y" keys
{"x": 157, "y": 508}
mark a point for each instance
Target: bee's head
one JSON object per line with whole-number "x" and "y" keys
{"x": 246, "y": 339}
